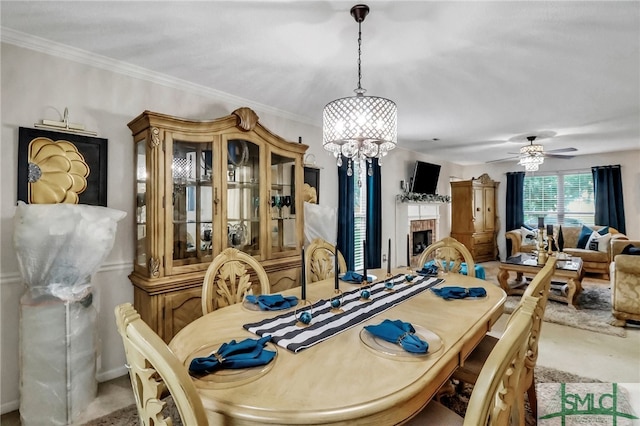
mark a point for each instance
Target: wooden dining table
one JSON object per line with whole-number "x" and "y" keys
{"x": 345, "y": 379}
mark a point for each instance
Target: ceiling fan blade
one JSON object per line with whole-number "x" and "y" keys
{"x": 562, "y": 150}
{"x": 501, "y": 160}
{"x": 564, "y": 157}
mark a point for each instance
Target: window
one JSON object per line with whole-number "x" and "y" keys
{"x": 563, "y": 198}
{"x": 360, "y": 214}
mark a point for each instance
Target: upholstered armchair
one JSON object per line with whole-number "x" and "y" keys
{"x": 625, "y": 281}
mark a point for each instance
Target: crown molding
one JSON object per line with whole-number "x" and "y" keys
{"x": 84, "y": 57}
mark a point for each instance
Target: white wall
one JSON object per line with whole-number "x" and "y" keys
{"x": 105, "y": 98}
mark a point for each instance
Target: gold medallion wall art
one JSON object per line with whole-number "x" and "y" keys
{"x": 56, "y": 167}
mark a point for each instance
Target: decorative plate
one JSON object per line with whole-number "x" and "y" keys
{"x": 394, "y": 351}
{"x": 229, "y": 377}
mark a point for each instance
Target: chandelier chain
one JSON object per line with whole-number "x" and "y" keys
{"x": 359, "y": 54}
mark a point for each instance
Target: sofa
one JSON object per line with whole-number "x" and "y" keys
{"x": 594, "y": 261}
{"x": 625, "y": 281}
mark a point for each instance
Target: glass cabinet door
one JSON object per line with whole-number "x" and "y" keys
{"x": 243, "y": 196}
{"x": 283, "y": 213}
{"x": 142, "y": 243}
{"x": 192, "y": 201}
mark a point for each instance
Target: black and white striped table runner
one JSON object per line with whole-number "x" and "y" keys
{"x": 325, "y": 324}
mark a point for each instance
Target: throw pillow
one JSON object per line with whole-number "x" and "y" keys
{"x": 598, "y": 242}
{"x": 585, "y": 234}
{"x": 529, "y": 237}
{"x": 631, "y": 249}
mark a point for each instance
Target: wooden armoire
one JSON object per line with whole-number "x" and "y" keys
{"x": 474, "y": 216}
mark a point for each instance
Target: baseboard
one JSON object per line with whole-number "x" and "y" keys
{"x": 10, "y": 406}
{"x": 105, "y": 376}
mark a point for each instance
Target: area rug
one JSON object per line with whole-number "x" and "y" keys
{"x": 594, "y": 305}
{"x": 129, "y": 415}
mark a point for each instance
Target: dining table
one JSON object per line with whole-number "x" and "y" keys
{"x": 349, "y": 376}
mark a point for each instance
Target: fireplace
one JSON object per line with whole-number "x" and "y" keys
{"x": 421, "y": 240}
{"x": 423, "y": 233}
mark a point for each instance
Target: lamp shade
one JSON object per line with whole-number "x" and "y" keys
{"x": 360, "y": 126}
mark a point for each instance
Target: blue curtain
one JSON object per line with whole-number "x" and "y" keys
{"x": 607, "y": 191}
{"x": 515, "y": 200}
{"x": 515, "y": 203}
{"x": 346, "y": 223}
{"x": 374, "y": 216}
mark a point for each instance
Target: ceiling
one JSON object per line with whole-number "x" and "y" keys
{"x": 471, "y": 79}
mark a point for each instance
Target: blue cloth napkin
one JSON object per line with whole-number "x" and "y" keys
{"x": 244, "y": 354}
{"x": 428, "y": 270}
{"x": 454, "y": 292}
{"x": 354, "y": 277}
{"x": 400, "y": 332}
{"x": 272, "y": 302}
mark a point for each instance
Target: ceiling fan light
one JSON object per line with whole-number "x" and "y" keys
{"x": 531, "y": 150}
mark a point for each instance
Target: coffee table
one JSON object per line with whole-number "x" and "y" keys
{"x": 526, "y": 263}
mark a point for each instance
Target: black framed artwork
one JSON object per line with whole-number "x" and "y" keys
{"x": 57, "y": 167}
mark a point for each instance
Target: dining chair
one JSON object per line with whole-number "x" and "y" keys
{"x": 227, "y": 280}
{"x": 448, "y": 255}
{"x": 539, "y": 288}
{"x": 320, "y": 261}
{"x": 153, "y": 368}
{"x": 496, "y": 398}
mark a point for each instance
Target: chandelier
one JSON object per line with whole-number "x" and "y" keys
{"x": 531, "y": 156}
{"x": 359, "y": 127}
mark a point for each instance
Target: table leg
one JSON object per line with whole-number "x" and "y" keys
{"x": 503, "y": 279}
{"x": 575, "y": 288}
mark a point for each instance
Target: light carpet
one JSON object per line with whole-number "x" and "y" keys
{"x": 129, "y": 415}
{"x": 593, "y": 311}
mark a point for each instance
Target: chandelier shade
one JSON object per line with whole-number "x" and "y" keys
{"x": 531, "y": 157}
{"x": 359, "y": 127}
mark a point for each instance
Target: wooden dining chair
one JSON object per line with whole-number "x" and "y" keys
{"x": 496, "y": 398}
{"x": 228, "y": 279}
{"x": 153, "y": 368}
{"x": 448, "y": 255}
{"x": 320, "y": 261}
{"x": 539, "y": 288}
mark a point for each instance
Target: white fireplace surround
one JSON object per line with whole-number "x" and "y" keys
{"x": 407, "y": 213}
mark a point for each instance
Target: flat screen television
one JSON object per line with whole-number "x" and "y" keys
{"x": 425, "y": 178}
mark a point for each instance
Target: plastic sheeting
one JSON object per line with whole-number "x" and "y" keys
{"x": 320, "y": 222}
{"x": 59, "y": 247}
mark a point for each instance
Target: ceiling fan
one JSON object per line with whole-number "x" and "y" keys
{"x": 532, "y": 155}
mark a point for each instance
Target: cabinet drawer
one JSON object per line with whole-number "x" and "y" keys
{"x": 482, "y": 239}
{"x": 482, "y": 250}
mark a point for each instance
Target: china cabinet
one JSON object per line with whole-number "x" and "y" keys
{"x": 474, "y": 220}
{"x": 203, "y": 186}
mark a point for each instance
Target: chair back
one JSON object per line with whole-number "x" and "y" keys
{"x": 152, "y": 367}
{"x": 539, "y": 287}
{"x": 448, "y": 255}
{"x": 497, "y": 397}
{"x": 320, "y": 261}
{"x": 228, "y": 279}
